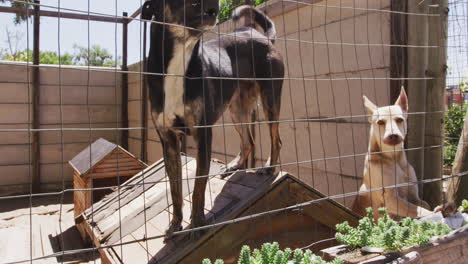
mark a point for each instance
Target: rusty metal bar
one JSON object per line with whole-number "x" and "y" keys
{"x": 144, "y": 102}
{"x": 44, "y": 13}
{"x": 125, "y": 82}
{"x": 35, "y": 148}
{"x": 136, "y": 13}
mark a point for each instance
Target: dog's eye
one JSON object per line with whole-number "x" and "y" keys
{"x": 399, "y": 120}
{"x": 381, "y": 122}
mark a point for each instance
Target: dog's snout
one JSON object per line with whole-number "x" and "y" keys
{"x": 393, "y": 139}
{"x": 212, "y": 12}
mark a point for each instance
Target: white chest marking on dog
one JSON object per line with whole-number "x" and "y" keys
{"x": 174, "y": 80}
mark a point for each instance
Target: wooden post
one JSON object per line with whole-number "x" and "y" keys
{"x": 417, "y": 63}
{"x": 435, "y": 104}
{"x": 125, "y": 82}
{"x": 398, "y": 54}
{"x": 144, "y": 103}
{"x": 458, "y": 187}
{"x": 35, "y": 95}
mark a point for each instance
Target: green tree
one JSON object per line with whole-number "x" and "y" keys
{"x": 45, "y": 57}
{"x": 227, "y": 6}
{"x": 453, "y": 123}
{"x": 95, "y": 56}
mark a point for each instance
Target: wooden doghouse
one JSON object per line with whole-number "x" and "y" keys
{"x": 138, "y": 213}
{"x": 102, "y": 164}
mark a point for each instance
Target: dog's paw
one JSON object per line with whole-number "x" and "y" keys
{"x": 268, "y": 171}
{"x": 196, "y": 235}
{"x": 198, "y": 221}
{"x": 174, "y": 227}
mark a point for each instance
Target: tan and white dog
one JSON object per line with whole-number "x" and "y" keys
{"x": 386, "y": 164}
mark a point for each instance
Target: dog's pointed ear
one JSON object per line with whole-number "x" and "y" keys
{"x": 370, "y": 107}
{"x": 148, "y": 10}
{"x": 402, "y": 100}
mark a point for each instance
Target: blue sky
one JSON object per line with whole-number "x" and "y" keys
{"x": 72, "y": 32}
{"x": 109, "y": 35}
{"x": 457, "y": 53}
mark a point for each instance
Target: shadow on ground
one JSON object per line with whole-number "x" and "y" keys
{"x": 70, "y": 241}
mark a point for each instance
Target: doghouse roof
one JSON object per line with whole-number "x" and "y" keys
{"x": 145, "y": 212}
{"x": 93, "y": 154}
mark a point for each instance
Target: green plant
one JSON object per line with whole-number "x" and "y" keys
{"x": 227, "y": 6}
{"x": 270, "y": 253}
{"x": 387, "y": 233}
{"x": 94, "y": 56}
{"x": 464, "y": 206}
{"x": 453, "y": 123}
{"x": 45, "y": 57}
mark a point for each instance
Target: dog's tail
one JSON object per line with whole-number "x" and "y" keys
{"x": 249, "y": 17}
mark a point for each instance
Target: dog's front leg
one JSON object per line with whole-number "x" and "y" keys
{"x": 203, "y": 138}
{"x": 413, "y": 190}
{"x": 401, "y": 207}
{"x": 172, "y": 162}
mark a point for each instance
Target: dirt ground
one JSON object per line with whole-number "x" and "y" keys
{"x": 43, "y": 229}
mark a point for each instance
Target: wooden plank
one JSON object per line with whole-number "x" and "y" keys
{"x": 114, "y": 162}
{"x": 398, "y": 54}
{"x": 119, "y": 168}
{"x": 150, "y": 175}
{"x": 148, "y": 231}
{"x": 111, "y": 160}
{"x": 452, "y": 246}
{"x": 336, "y": 213}
{"x": 122, "y": 173}
{"x": 131, "y": 252}
{"x": 417, "y": 89}
{"x": 156, "y": 202}
{"x": 435, "y": 103}
{"x": 262, "y": 197}
{"x": 82, "y": 198}
{"x": 105, "y": 165}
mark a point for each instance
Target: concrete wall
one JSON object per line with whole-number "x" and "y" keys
{"x": 331, "y": 75}
{"x": 69, "y": 97}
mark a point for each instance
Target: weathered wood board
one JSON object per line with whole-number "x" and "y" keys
{"x": 138, "y": 200}
{"x": 141, "y": 208}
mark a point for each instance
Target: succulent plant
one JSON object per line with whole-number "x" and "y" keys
{"x": 270, "y": 253}
{"x": 387, "y": 233}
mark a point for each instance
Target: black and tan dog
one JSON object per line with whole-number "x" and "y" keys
{"x": 191, "y": 83}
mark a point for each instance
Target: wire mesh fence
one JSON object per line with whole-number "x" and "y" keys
{"x": 334, "y": 53}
